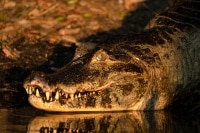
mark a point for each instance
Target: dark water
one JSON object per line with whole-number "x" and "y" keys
{"x": 30, "y": 120}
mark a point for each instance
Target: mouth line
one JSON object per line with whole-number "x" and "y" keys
{"x": 60, "y": 95}
{"x": 61, "y": 129}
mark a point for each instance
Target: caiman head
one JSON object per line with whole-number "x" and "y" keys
{"x": 102, "y": 80}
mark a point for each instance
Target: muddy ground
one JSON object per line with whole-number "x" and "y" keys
{"x": 42, "y": 35}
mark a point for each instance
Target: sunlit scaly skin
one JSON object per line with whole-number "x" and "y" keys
{"x": 145, "y": 71}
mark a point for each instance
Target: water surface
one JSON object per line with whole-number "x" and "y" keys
{"x": 29, "y": 120}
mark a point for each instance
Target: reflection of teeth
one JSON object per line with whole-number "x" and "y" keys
{"x": 72, "y": 96}
{"x": 37, "y": 93}
{"x": 57, "y": 95}
{"x": 47, "y": 95}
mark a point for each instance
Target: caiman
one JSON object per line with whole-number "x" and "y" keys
{"x": 145, "y": 71}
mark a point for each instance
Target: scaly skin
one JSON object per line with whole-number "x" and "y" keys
{"x": 145, "y": 71}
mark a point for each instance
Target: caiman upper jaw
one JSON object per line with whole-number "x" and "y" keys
{"x": 37, "y": 85}
{"x": 58, "y": 94}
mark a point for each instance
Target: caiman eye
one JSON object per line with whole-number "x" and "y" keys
{"x": 101, "y": 57}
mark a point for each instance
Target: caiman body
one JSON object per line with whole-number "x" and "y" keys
{"x": 145, "y": 71}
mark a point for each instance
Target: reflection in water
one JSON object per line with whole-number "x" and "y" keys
{"x": 31, "y": 120}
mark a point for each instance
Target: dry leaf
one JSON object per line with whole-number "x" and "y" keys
{"x": 45, "y": 3}
{"x": 10, "y": 4}
{"x": 69, "y": 38}
{"x": 66, "y": 31}
{"x": 128, "y": 3}
{"x": 93, "y": 25}
{"x": 8, "y": 28}
{"x": 10, "y": 53}
{"x": 34, "y": 13}
{"x": 74, "y": 17}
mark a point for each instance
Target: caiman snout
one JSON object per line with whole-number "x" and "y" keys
{"x": 88, "y": 84}
{"x": 42, "y": 86}
{"x": 37, "y": 84}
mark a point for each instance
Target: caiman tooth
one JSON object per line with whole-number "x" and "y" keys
{"x": 57, "y": 95}
{"x": 37, "y": 93}
{"x": 27, "y": 90}
{"x": 30, "y": 90}
{"x": 75, "y": 96}
{"x": 54, "y": 130}
{"x": 47, "y": 95}
{"x": 66, "y": 95}
{"x": 72, "y": 96}
{"x": 79, "y": 95}
{"x": 51, "y": 99}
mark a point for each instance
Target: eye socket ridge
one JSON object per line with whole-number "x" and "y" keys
{"x": 100, "y": 55}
